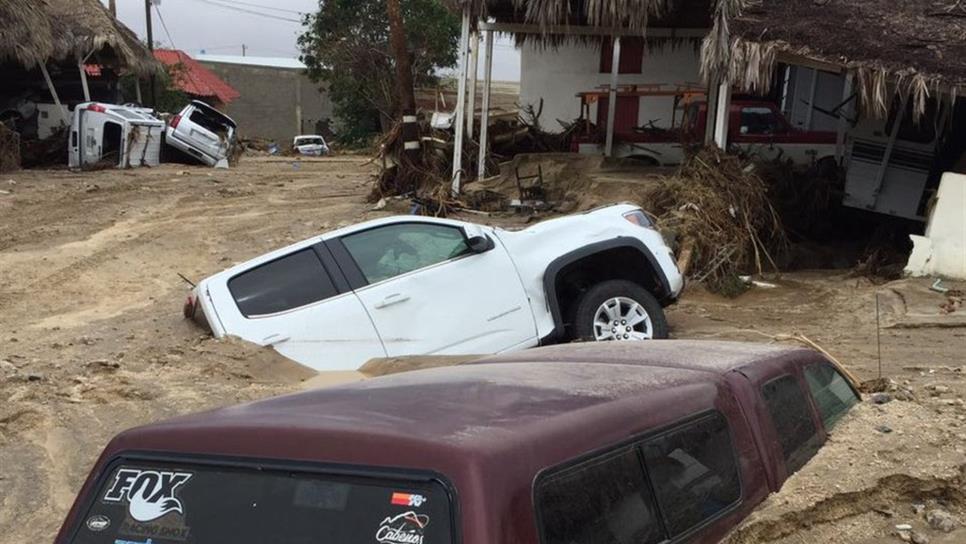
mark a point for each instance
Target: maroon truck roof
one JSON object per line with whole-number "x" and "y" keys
{"x": 486, "y": 427}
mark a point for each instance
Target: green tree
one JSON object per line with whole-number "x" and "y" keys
{"x": 346, "y": 47}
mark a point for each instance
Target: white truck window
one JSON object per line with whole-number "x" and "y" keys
{"x": 283, "y": 284}
{"x": 389, "y": 251}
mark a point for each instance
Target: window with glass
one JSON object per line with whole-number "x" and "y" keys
{"x": 283, "y": 284}
{"x": 602, "y": 501}
{"x": 760, "y": 121}
{"x": 792, "y": 420}
{"x": 832, "y": 393}
{"x": 385, "y": 252}
{"x": 694, "y": 472}
{"x": 643, "y": 493}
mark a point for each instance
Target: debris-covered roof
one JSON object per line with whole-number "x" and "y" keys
{"x": 193, "y": 78}
{"x": 919, "y": 44}
{"x": 38, "y": 31}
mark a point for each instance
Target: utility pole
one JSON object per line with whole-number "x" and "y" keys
{"x": 404, "y": 79}
{"x": 147, "y": 18}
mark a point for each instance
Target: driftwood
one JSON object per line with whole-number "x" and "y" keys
{"x": 719, "y": 209}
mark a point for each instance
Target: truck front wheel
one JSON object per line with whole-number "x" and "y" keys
{"x": 619, "y": 310}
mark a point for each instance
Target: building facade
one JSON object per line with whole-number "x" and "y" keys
{"x": 277, "y": 100}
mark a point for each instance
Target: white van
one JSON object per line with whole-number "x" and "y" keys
{"x": 202, "y": 132}
{"x": 121, "y": 136}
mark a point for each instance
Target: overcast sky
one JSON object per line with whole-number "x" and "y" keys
{"x": 268, "y": 28}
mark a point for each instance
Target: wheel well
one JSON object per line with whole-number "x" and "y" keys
{"x": 619, "y": 263}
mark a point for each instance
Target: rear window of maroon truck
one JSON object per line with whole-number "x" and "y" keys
{"x": 657, "y": 489}
{"x": 167, "y": 503}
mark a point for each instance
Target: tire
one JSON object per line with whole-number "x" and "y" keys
{"x": 620, "y": 296}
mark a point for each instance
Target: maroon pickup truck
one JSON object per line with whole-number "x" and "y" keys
{"x": 665, "y": 441}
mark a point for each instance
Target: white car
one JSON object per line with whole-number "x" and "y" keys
{"x": 311, "y": 145}
{"x": 203, "y": 133}
{"x": 412, "y": 285}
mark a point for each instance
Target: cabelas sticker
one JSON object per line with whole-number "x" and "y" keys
{"x": 149, "y": 494}
{"x": 407, "y": 499}
{"x": 406, "y": 528}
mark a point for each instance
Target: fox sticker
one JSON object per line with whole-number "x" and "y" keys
{"x": 149, "y": 494}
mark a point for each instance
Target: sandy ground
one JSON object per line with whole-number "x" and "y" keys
{"x": 92, "y": 342}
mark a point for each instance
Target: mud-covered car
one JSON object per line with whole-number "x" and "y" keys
{"x": 644, "y": 443}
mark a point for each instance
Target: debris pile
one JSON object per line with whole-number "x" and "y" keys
{"x": 718, "y": 210}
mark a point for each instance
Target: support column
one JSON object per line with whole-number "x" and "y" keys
{"x": 612, "y": 100}
{"x": 83, "y": 77}
{"x": 712, "y": 114}
{"x": 471, "y": 101}
{"x": 53, "y": 94}
{"x": 485, "y": 113}
{"x": 723, "y": 115}
{"x": 461, "y": 103}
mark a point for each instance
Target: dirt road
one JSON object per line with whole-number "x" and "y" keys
{"x": 92, "y": 341}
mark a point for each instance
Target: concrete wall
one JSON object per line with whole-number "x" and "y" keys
{"x": 557, "y": 75}
{"x": 942, "y": 251}
{"x": 267, "y": 107}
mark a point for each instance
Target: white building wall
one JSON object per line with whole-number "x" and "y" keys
{"x": 558, "y": 74}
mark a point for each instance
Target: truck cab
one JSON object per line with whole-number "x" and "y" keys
{"x": 670, "y": 441}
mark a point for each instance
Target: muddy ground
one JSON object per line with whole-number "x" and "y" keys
{"x": 92, "y": 342}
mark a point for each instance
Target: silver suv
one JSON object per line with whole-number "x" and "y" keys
{"x": 203, "y": 133}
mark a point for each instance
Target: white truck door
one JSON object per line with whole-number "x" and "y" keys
{"x": 429, "y": 293}
{"x": 292, "y": 304}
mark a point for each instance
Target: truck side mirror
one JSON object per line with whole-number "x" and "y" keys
{"x": 477, "y": 240}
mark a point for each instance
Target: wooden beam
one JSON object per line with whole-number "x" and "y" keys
{"x": 564, "y": 30}
{"x": 612, "y": 101}
{"x": 461, "y": 103}
{"x": 471, "y": 100}
{"x": 485, "y": 113}
{"x": 815, "y": 64}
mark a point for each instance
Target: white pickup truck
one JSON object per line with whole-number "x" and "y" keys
{"x": 411, "y": 285}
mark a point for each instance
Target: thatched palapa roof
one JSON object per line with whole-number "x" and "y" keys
{"x": 632, "y": 15}
{"x": 909, "y": 47}
{"x": 41, "y": 31}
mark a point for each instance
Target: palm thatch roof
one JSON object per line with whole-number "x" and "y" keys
{"x": 631, "y": 15}
{"x": 915, "y": 48}
{"x": 40, "y": 31}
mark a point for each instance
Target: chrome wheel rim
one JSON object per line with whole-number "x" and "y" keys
{"x": 621, "y": 318}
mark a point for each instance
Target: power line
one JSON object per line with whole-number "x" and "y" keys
{"x": 173, "y": 46}
{"x": 248, "y": 11}
{"x": 271, "y": 8}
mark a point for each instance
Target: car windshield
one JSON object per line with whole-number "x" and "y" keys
{"x": 165, "y": 503}
{"x": 309, "y": 141}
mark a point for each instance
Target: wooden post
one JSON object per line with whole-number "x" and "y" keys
{"x": 471, "y": 100}
{"x": 485, "y": 113}
{"x": 53, "y": 94}
{"x": 83, "y": 78}
{"x": 612, "y": 101}
{"x": 147, "y": 19}
{"x": 461, "y": 103}
{"x": 405, "y": 88}
{"x": 712, "y": 114}
{"x": 723, "y": 115}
